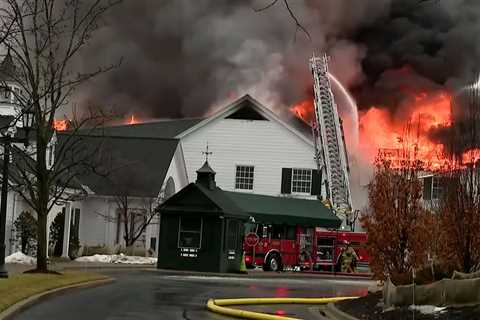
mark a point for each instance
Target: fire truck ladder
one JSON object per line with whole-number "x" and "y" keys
{"x": 331, "y": 155}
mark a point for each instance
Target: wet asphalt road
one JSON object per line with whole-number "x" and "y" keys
{"x": 153, "y": 295}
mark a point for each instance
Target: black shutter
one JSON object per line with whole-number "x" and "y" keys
{"x": 427, "y": 188}
{"x": 286, "y": 181}
{"x": 316, "y": 182}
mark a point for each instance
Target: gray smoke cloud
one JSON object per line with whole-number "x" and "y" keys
{"x": 419, "y": 47}
{"x": 181, "y": 58}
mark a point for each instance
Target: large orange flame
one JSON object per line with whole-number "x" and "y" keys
{"x": 304, "y": 110}
{"x": 403, "y": 138}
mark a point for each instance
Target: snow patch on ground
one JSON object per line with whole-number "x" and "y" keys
{"x": 117, "y": 258}
{"x": 20, "y": 258}
{"x": 427, "y": 309}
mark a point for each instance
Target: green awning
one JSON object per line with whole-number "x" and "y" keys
{"x": 282, "y": 210}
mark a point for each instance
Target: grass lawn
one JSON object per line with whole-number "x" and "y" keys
{"x": 22, "y": 286}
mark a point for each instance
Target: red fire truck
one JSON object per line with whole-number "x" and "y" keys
{"x": 276, "y": 247}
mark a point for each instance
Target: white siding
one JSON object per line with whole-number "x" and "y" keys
{"x": 97, "y": 221}
{"x": 267, "y": 145}
{"x": 15, "y": 206}
{"x": 177, "y": 172}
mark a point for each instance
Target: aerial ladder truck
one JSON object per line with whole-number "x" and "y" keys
{"x": 330, "y": 149}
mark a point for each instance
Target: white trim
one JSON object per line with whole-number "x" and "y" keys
{"x": 184, "y": 167}
{"x": 234, "y": 106}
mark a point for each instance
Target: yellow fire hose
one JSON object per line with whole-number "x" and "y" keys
{"x": 219, "y": 306}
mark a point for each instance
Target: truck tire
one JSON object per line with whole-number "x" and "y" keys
{"x": 273, "y": 263}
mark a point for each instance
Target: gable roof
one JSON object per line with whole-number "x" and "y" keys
{"x": 242, "y": 103}
{"x": 135, "y": 166}
{"x": 245, "y": 107}
{"x": 278, "y": 210}
{"x": 217, "y": 197}
{"x": 265, "y": 209}
{"x": 156, "y": 129}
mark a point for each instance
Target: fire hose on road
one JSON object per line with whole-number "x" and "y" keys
{"x": 220, "y": 306}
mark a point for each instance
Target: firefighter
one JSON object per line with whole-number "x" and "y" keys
{"x": 349, "y": 259}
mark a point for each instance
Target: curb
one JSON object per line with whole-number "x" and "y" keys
{"x": 219, "y": 306}
{"x": 258, "y": 275}
{"x": 20, "y": 306}
{"x": 335, "y": 313}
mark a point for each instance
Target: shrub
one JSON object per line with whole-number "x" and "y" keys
{"x": 56, "y": 237}
{"x": 26, "y": 231}
{"x": 56, "y": 234}
{"x": 397, "y": 224}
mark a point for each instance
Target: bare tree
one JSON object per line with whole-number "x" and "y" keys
{"x": 134, "y": 215}
{"x": 134, "y": 211}
{"x": 44, "y": 39}
{"x": 459, "y": 208}
{"x": 293, "y": 16}
{"x": 460, "y": 219}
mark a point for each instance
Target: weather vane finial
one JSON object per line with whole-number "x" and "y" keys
{"x": 206, "y": 153}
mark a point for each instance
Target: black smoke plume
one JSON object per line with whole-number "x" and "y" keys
{"x": 181, "y": 57}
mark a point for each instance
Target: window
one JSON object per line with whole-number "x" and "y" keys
{"x": 277, "y": 231}
{"x": 432, "y": 188}
{"x": 436, "y": 188}
{"x": 244, "y": 178}
{"x": 169, "y": 188}
{"x": 50, "y": 155}
{"x": 291, "y": 233}
{"x": 232, "y": 235}
{"x": 190, "y": 232}
{"x": 325, "y": 249}
{"x": 301, "y": 180}
{"x": 153, "y": 244}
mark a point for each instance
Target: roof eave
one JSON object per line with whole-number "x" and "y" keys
{"x": 232, "y": 107}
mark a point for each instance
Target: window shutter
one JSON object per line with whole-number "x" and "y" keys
{"x": 286, "y": 187}
{"x": 316, "y": 182}
{"x": 427, "y": 188}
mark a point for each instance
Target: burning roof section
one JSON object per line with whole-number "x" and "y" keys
{"x": 155, "y": 129}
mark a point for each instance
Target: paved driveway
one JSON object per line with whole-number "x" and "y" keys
{"x": 154, "y": 295}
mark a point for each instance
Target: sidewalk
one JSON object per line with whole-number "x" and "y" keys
{"x": 254, "y": 273}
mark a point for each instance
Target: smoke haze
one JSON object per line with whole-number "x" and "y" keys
{"x": 181, "y": 57}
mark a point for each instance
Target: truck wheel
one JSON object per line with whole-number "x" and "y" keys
{"x": 273, "y": 263}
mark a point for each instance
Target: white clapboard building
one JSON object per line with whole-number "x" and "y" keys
{"x": 250, "y": 147}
